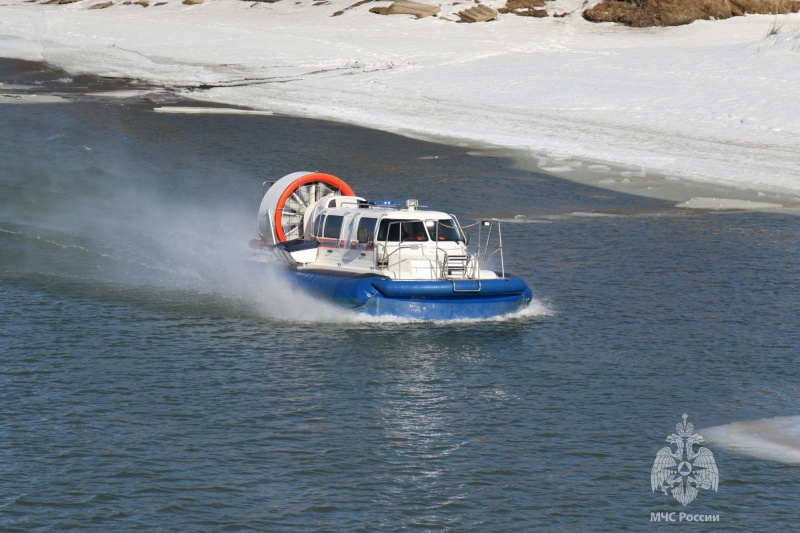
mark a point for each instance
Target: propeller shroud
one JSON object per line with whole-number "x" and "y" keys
{"x": 280, "y": 217}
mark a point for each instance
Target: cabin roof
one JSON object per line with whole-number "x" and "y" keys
{"x": 397, "y": 214}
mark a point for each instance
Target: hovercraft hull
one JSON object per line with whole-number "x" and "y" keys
{"x": 383, "y": 257}
{"x": 422, "y": 300}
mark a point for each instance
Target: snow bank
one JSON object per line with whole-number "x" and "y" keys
{"x": 714, "y": 101}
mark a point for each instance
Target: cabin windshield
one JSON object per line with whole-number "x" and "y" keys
{"x": 444, "y": 230}
{"x": 409, "y": 230}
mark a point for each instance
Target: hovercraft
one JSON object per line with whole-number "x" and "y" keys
{"x": 383, "y": 257}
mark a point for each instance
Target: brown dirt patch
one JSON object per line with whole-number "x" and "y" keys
{"x": 767, "y": 7}
{"x": 677, "y": 12}
{"x": 525, "y": 8}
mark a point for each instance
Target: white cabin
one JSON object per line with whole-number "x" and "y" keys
{"x": 349, "y": 234}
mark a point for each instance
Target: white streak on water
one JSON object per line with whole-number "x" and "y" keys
{"x": 726, "y": 203}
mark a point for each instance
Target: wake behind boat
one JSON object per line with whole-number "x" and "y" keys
{"x": 383, "y": 258}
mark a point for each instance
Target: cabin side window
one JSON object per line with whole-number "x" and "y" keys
{"x": 366, "y": 230}
{"x": 318, "y": 222}
{"x": 333, "y": 226}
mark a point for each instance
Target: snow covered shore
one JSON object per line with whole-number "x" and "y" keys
{"x": 715, "y": 101}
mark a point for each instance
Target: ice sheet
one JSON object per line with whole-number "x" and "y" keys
{"x": 713, "y": 101}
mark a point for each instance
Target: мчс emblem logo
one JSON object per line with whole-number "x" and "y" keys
{"x": 687, "y": 468}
